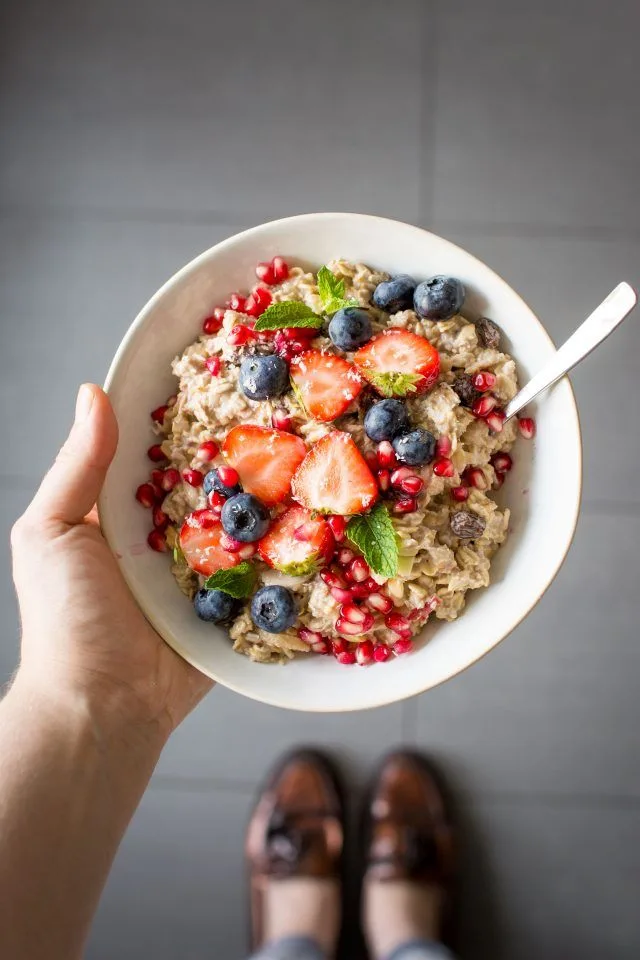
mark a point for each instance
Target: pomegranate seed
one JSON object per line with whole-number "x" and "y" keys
{"x": 338, "y": 526}
{"x": 213, "y": 365}
{"x": 155, "y": 453}
{"x": 371, "y": 585}
{"x": 216, "y": 502}
{"x": 353, "y": 614}
{"x": 432, "y": 603}
{"x": 385, "y": 454}
{"x": 460, "y": 494}
{"x": 501, "y": 462}
{"x": 359, "y": 570}
{"x": 280, "y": 269}
{"x": 341, "y": 594}
{"x": 230, "y": 543}
{"x": 484, "y": 381}
{"x": 309, "y": 636}
{"x": 228, "y": 476}
{"x": 372, "y": 461}
{"x": 345, "y": 556}
{"x": 477, "y": 478}
{"x": 213, "y": 323}
{"x": 443, "y": 446}
{"x": 265, "y": 272}
{"x": 207, "y": 451}
{"x": 298, "y": 333}
{"x": 170, "y": 479}
{"x": 193, "y": 477}
{"x": 338, "y": 646}
{"x": 398, "y": 623}
{"x": 157, "y": 541}
{"x": 157, "y": 476}
{"x": 346, "y": 657}
{"x": 404, "y": 645}
{"x": 236, "y": 302}
{"x": 158, "y": 414}
{"x": 384, "y": 480}
{"x": 305, "y": 532}
{"x": 527, "y": 427}
{"x": 347, "y": 628}
{"x": 359, "y": 590}
{"x": 381, "y": 653}
{"x": 280, "y": 420}
{"x": 247, "y": 550}
{"x": 413, "y": 484}
{"x": 443, "y": 467}
{"x": 239, "y": 335}
{"x": 400, "y": 474}
{"x": 405, "y": 505}
{"x": 146, "y": 495}
{"x": 500, "y": 478}
{"x": 322, "y": 646}
{"x": 495, "y": 421}
{"x": 332, "y": 579}
{"x": 484, "y": 406}
{"x": 160, "y": 519}
{"x": 364, "y": 653}
{"x": 288, "y": 348}
{"x": 380, "y": 603}
{"x": 351, "y": 629}
{"x": 257, "y": 302}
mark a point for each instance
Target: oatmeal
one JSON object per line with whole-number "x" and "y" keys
{"x": 324, "y": 473}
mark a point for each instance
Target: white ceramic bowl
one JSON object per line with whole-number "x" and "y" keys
{"x": 543, "y": 490}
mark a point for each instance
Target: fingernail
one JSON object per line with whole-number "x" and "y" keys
{"x": 84, "y": 403}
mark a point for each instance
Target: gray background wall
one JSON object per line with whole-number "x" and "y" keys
{"x": 135, "y": 135}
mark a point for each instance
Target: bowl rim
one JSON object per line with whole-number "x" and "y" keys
{"x": 192, "y": 266}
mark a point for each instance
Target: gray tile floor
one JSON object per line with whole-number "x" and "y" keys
{"x": 133, "y": 136}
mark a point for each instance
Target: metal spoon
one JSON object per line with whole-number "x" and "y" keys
{"x": 596, "y": 328}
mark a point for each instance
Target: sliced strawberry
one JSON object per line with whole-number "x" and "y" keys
{"x": 334, "y": 477}
{"x": 398, "y": 362}
{"x": 297, "y": 543}
{"x": 200, "y": 543}
{"x": 265, "y": 459}
{"x": 325, "y": 383}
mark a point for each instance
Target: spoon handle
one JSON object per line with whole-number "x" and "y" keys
{"x": 589, "y": 334}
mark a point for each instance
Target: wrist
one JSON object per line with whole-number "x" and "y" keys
{"x": 113, "y": 718}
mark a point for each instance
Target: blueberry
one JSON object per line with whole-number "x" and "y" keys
{"x": 245, "y": 518}
{"x": 213, "y": 484}
{"x": 416, "y": 447}
{"x": 263, "y": 377}
{"x": 438, "y": 298}
{"x": 350, "y": 328}
{"x": 273, "y": 609}
{"x": 395, "y": 294}
{"x": 215, "y": 605}
{"x": 385, "y": 420}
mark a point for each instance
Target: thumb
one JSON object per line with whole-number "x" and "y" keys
{"x": 71, "y": 488}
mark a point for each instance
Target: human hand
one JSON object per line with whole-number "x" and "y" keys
{"x": 84, "y": 640}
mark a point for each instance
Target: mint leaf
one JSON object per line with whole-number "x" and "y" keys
{"x": 394, "y": 384}
{"x": 289, "y": 313}
{"x": 238, "y": 581}
{"x": 373, "y": 534}
{"x": 331, "y": 292}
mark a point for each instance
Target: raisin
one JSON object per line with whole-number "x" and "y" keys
{"x": 489, "y": 333}
{"x": 463, "y": 386}
{"x": 467, "y": 525}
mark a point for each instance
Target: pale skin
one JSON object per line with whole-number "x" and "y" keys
{"x": 95, "y": 698}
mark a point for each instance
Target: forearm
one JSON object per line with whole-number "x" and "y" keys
{"x": 69, "y": 784}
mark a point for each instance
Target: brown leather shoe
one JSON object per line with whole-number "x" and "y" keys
{"x": 408, "y": 831}
{"x": 296, "y": 830}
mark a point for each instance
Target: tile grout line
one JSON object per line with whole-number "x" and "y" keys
{"x": 228, "y": 218}
{"x": 428, "y": 115}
